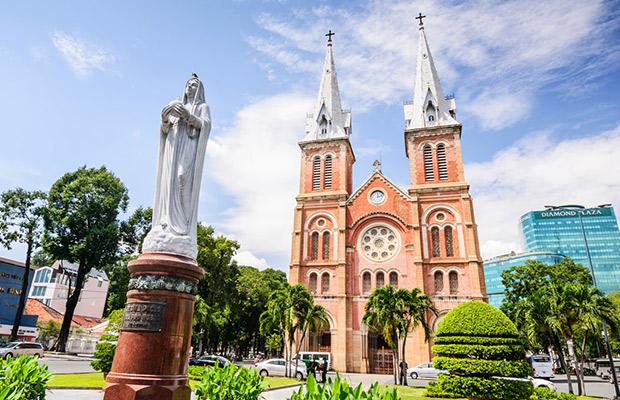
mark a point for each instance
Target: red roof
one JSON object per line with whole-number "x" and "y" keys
{"x": 47, "y": 313}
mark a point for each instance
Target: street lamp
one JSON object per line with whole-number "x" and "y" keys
{"x": 579, "y": 210}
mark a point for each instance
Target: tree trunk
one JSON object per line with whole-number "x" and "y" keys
{"x": 582, "y": 360}
{"x": 558, "y": 349}
{"x": 298, "y": 349}
{"x": 395, "y": 358}
{"x": 571, "y": 353}
{"x": 63, "y": 336}
{"x": 23, "y": 294}
{"x": 403, "y": 380}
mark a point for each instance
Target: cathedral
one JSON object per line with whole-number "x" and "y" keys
{"x": 348, "y": 241}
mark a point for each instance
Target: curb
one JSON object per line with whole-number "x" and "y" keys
{"x": 284, "y": 387}
{"x": 73, "y": 388}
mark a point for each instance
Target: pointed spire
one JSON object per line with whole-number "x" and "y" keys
{"x": 328, "y": 120}
{"x": 429, "y": 107}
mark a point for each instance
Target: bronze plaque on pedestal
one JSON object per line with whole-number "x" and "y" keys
{"x": 143, "y": 316}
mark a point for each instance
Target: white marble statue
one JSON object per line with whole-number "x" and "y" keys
{"x": 183, "y": 139}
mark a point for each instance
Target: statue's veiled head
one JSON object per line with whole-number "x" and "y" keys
{"x": 194, "y": 92}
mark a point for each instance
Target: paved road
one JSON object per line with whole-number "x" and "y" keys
{"x": 594, "y": 386}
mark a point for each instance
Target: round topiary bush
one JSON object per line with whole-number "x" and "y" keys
{"x": 480, "y": 347}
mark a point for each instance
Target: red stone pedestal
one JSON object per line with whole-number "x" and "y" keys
{"x": 153, "y": 347}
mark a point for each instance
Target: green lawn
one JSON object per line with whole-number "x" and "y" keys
{"x": 96, "y": 380}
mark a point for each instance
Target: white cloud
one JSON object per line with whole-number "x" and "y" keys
{"x": 39, "y": 53}
{"x": 81, "y": 55}
{"x": 256, "y": 161}
{"x": 498, "y": 53}
{"x": 245, "y": 257}
{"x": 540, "y": 170}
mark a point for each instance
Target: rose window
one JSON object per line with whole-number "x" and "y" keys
{"x": 379, "y": 243}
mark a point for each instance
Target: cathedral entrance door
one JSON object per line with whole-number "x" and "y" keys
{"x": 380, "y": 355}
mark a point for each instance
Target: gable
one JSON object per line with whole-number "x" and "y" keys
{"x": 378, "y": 195}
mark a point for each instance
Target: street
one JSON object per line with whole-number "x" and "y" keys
{"x": 595, "y": 386}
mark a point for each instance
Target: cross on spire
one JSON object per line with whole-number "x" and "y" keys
{"x": 330, "y": 34}
{"x": 377, "y": 165}
{"x": 420, "y": 16}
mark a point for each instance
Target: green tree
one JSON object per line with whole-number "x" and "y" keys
{"x": 523, "y": 280}
{"x": 48, "y": 330}
{"x": 134, "y": 230}
{"x": 106, "y": 348}
{"x": 81, "y": 226}
{"x": 416, "y": 309}
{"x": 42, "y": 259}
{"x": 21, "y": 214}
{"x": 384, "y": 313}
{"x": 284, "y": 309}
{"x": 273, "y": 342}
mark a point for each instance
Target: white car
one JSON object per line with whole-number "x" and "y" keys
{"x": 537, "y": 382}
{"x": 276, "y": 367}
{"x": 425, "y": 370}
{"x": 14, "y": 349}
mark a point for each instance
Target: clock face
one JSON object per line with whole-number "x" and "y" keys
{"x": 377, "y": 197}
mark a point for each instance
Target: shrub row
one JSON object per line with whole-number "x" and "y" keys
{"x": 508, "y": 352}
{"x": 338, "y": 389}
{"x": 476, "y": 340}
{"x": 485, "y": 367}
{"x": 23, "y": 379}
{"x": 476, "y": 319}
{"x": 195, "y": 372}
{"x": 544, "y": 393}
{"x": 487, "y": 388}
{"x": 230, "y": 383}
{"x": 434, "y": 390}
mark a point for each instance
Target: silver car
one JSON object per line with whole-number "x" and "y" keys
{"x": 425, "y": 370}
{"x": 276, "y": 367}
{"x": 14, "y": 349}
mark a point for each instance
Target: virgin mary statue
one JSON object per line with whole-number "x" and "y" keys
{"x": 184, "y": 132}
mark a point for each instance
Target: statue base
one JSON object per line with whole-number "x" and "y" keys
{"x": 153, "y": 347}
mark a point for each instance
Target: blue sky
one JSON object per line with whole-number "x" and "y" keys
{"x": 536, "y": 86}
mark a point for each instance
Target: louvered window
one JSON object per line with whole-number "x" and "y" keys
{"x": 435, "y": 239}
{"x": 366, "y": 282}
{"x": 326, "y": 237}
{"x": 442, "y": 167}
{"x": 449, "y": 243}
{"x": 315, "y": 246}
{"x": 325, "y": 283}
{"x": 394, "y": 280}
{"x": 316, "y": 174}
{"x": 327, "y": 183}
{"x": 453, "y": 277}
{"x": 428, "y": 164}
{"x": 380, "y": 279}
{"x": 313, "y": 283}
{"x": 438, "y": 282}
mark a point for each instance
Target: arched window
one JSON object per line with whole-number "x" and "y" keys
{"x": 313, "y": 283}
{"x": 326, "y": 237}
{"x": 438, "y": 282}
{"x": 449, "y": 244}
{"x": 315, "y": 246}
{"x": 394, "y": 280}
{"x": 327, "y": 182}
{"x": 429, "y": 175}
{"x": 380, "y": 279}
{"x": 316, "y": 174}
{"x": 435, "y": 240}
{"x": 366, "y": 282}
{"x": 431, "y": 118}
{"x": 453, "y": 277}
{"x": 442, "y": 166}
{"x": 325, "y": 283}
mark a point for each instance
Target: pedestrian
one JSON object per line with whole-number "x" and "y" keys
{"x": 324, "y": 371}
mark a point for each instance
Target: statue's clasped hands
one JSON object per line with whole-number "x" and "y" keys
{"x": 175, "y": 108}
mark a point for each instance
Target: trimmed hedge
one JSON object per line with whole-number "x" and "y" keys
{"x": 486, "y": 367}
{"x": 493, "y": 341}
{"x": 544, "y": 393}
{"x": 476, "y": 319}
{"x": 485, "y": 388}
{"x": 478, "y": 344}
{"x": 480, "y": 351}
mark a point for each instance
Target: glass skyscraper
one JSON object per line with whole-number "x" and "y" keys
{"x": 559, "y": 231}
{"x": 494, "y": 267}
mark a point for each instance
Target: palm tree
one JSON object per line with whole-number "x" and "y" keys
{"x": 384, "y": 312}
{"x": 285, "y": 308}
{"x": 314, "y": 318}
{"x": 417, "y": 307}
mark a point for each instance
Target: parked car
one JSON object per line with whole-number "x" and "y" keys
{"x": 276, "y": 367}
{"x": 425, "y": 370}
{"x": 314, "y": 356}
{"x": 14, "y": 349}
{"x": 210, "y": 360}
{"x": 537, "y": 382}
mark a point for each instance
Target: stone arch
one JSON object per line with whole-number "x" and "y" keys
{"x": 426, "y": 227}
